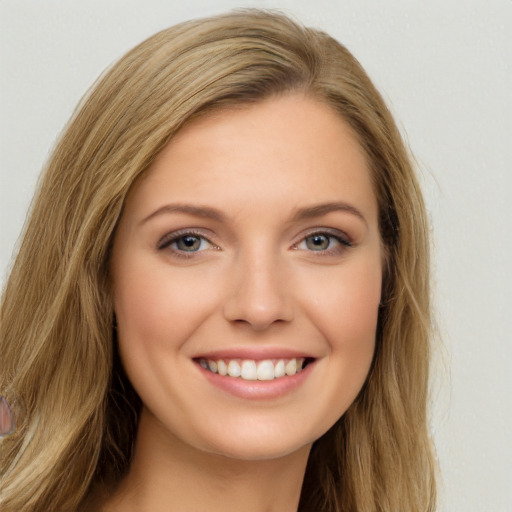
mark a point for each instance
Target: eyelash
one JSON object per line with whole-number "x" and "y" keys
{"x": 340, "y": 239}
{"x": 172, "y": 238}
{"x": 167, "y": 241}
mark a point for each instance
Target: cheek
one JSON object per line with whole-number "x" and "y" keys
{"x": 350, "y": 301}
{"x": 346, "y": 314}
{"x": 158, "y": 310}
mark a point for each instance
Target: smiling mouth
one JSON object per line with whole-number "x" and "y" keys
{"x": 250, "y": 369}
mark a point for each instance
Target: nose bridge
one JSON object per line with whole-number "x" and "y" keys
{"x": 258, "y": 293}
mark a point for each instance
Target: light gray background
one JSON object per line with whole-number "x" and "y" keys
{"x": 444, "y": 68}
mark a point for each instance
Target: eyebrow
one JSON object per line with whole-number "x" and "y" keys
{"x": 197, "y": 211}
{"x": 319, "y": 210}
{"x": 206, "y": 212}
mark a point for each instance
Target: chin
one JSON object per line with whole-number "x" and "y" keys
{"x": 259, "y": 442}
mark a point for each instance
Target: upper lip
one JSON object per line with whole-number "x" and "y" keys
{"x": 255, "y": 353}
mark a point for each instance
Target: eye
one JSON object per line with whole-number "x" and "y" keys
{"x": 189, "y": 243}
{"x": 319, "y": 242}
{"x": 323, "y": 242}
{"x": 185, "y": 243}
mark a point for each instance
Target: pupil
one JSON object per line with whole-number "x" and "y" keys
{"x": 317, "y": 242}
{"x": 190, "y": 242}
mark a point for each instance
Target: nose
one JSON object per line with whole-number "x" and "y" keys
{"x": 259, "y": 292}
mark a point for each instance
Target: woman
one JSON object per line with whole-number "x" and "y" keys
{"x": 222, "y": 296}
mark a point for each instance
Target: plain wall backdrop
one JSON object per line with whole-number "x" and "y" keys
{"x": 444, "y": 68}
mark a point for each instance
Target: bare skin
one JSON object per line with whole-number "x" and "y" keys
{"x": 252, "y": 239}
{"x": 190, "y": 482}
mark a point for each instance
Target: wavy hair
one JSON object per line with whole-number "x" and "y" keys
{"x": 58, "y": 342}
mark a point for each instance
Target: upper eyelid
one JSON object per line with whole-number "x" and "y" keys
{"x": 341, "y": 244}
{"x": 208, "y": 236}
{"x": 332, "y": 232}
{"x": 169, "y": 238}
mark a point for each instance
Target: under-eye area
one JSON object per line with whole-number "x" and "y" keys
{"x": 251, "y": 369}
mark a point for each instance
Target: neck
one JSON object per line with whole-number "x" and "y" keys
{"x": 168, "y": 475}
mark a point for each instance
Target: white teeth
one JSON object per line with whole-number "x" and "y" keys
{"x": 249, "y": 369}
{"x": 266, "y": 370}
{"x": 222, "y": 367}
{"x": 291, "y": 367}
{"x": 279, "y": 369}
{"x": 234, "y": 369}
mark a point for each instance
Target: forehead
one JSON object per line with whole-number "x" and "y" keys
{"x": 289, "y": 147}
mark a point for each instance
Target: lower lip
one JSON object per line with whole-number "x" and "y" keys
{"x": 258, "y": 389}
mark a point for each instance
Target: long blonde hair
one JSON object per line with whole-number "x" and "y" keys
{"x": 58, "y": 345}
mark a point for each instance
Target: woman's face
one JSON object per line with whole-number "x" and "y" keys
{"x": 250, "y": 247}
